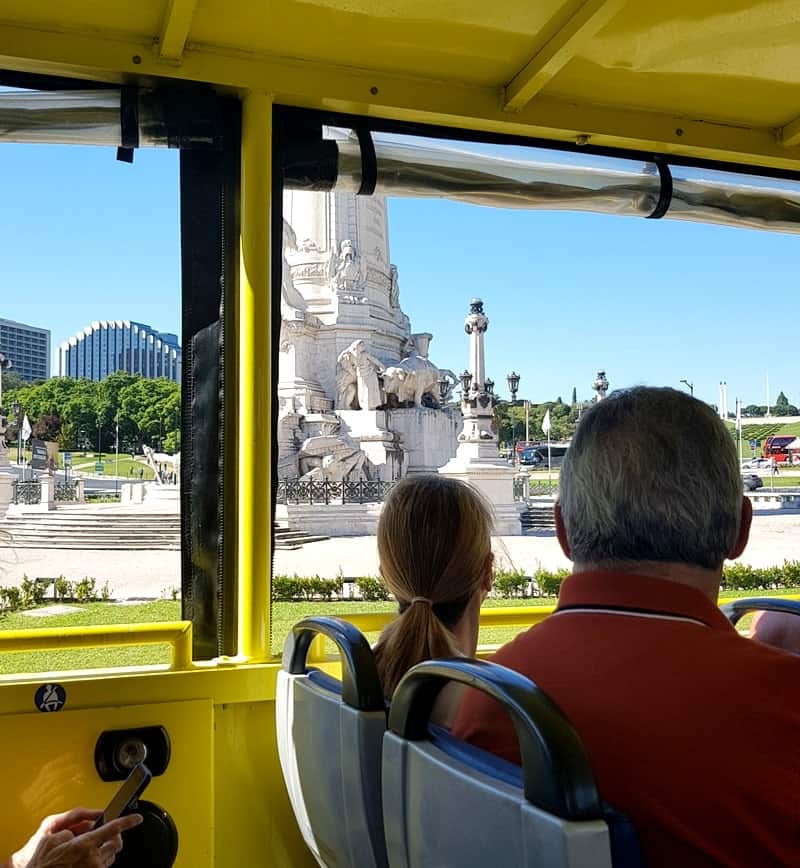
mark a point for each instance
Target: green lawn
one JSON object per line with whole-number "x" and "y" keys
{"x": 85, "y": 461}
{"x": 90, "y": 658}
{"x": 284, "y": 615}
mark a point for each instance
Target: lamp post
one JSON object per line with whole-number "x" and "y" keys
{"x": 466, "y": 382}
{"x": 444, "y": 387}
{"x": 16, "y": 409}
{"x": 513, "y": 387}
{"x": 690, "y": 386}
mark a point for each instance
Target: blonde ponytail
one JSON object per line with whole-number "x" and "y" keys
{"x": 434, "y": 539}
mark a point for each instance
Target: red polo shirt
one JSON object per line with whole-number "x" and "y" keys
{"x": 692, "y": 730}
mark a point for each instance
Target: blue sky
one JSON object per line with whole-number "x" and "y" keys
{"x": 83, "y": 237}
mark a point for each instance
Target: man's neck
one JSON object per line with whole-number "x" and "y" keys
{"x": 706, "y": 581}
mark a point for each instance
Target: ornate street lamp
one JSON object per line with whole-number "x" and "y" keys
{"x": 489, "y": 385}
{"x": 513, "y": 385}
{"x": 444, "y": 388}
{"x": 466, "y": 382}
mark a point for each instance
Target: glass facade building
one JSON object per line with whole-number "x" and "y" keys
{"x": 120, "y": 345}
{"x": 28, "y": 348}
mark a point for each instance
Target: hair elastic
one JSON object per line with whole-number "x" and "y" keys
{"x": 426, "y": 600}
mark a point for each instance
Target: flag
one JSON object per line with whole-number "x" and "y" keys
{"x": 546, "y": 426}
{"x": 26, "y": 429}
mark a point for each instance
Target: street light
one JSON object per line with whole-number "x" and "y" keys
{"x": 513, "y": 385}
{"x": 690, "y": 385}
{"x": 16, "y": 409}
{"x": 466, "y": 382}
{"x": 444, "y": 387}
{"x": 489, "y": 386}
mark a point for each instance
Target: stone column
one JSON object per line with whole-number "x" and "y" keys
{"x": 477, "y": 460}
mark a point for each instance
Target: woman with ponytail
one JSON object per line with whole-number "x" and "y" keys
{"x": 435, "y": 554}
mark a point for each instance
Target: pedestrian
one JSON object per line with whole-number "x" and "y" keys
{"x": 141, "y": 473}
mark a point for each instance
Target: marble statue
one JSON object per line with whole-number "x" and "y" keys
{"x": 332, "y": 458}
{"x": 348, "y": 273}
{"x": 357, "y": 384}
{"x": 600, "y": 385}
{"x": 415, "y": 376}
{"x": 394, "y": 287}
{"x": 291, "y": 300}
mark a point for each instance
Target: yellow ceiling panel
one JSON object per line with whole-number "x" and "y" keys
{"x": 734, "y": 62}
{"x": 139, "y": 17}
{"x": 465, "y": 40}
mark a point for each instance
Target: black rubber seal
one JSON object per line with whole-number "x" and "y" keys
{"x": 128, "y": 123}
{"x": 665, "y": 195}
{"x": 361, "y": 685}
{"x": 369, "y": 162}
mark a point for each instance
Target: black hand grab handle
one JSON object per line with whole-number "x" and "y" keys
{"x": 361, "y": 685}
{"x": 736, "y": 610}
{"x": 557, "y": 776}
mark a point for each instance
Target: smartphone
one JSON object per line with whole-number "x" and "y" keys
{"x": 126, "y": 795}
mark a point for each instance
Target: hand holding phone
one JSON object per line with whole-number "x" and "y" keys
{"x": 126, "y": 796}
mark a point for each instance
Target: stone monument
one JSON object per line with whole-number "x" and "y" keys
{"x": 352, "y": 376}
{"x": 600, "y": 385}
{"x": 477, "y": 459}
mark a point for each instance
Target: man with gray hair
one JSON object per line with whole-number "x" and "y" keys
{"x": 691, "y": 729}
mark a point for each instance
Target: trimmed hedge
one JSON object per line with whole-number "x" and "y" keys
{"x": 508, "y": 584}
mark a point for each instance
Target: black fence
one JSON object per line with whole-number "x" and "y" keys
{"x": 26, "y": 493}
{"x": 312, "y": 491}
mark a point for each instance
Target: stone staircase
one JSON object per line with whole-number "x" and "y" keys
{"x": 87, "y": 527}
{"x": 290, "y": 540}
{"x": 538, "y": 516}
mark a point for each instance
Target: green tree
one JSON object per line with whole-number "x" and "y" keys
{"x": 48, "y": 427}
{"x": 574, "y": 396}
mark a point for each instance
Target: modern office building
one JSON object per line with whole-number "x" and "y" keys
{"x": 28, "y": 348}
{"x": 120, "y": 345}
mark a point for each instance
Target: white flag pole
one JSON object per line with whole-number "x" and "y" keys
{"x": 739, "y": 427}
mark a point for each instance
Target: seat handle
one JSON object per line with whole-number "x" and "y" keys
{"x": 557, "y": 776}
{"x": 361, "y": 684}
{"x": 736, "y": 610}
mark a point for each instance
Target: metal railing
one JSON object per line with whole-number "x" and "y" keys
{"x": 27, "y": 493}
{"x": 66, "y": 492}
{"x": 178, "y": 634}
{"x": 314, "y": 492}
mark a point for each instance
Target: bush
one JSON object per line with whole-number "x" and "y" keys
{"x": 85, "y": 590}
{"x": 549, "y": 581}
{"x": 31, "y": 593}
{"x": 510, "y": 583}
{"x": 63, "y": 589}
{"x": 290, "y": 589}
{"x": 105, "y": 592}
{"x": 372, "y": 590}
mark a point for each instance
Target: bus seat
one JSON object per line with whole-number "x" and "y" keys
{"x": 329, "y": 744}
{"x": 448, "y": 803}
{"x": 736, "y": 610}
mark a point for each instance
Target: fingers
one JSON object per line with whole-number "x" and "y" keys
{"x": 107, "y": 852}
{"x": 69, "y": 819}
{"x": 111, "y": 830}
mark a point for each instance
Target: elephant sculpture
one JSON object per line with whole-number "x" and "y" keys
{"x": 411, "y": 379}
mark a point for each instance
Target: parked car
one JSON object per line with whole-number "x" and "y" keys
{"x": 751, "y": 481}
{"x": 756, "y": 464}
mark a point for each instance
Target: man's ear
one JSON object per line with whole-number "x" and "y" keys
{"x": 561, "y": 532}
{"x": 744, "y": 530}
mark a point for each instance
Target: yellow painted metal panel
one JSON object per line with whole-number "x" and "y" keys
{"x": 99, "y": 16}
{"x": 255, "y": 520}
{"x": 426, "y": 101}
{"x": 48, "y": 762}
{"x": 254, "y": 821}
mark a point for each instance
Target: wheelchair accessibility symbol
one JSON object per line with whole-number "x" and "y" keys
{"x": 50, "y": 697}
